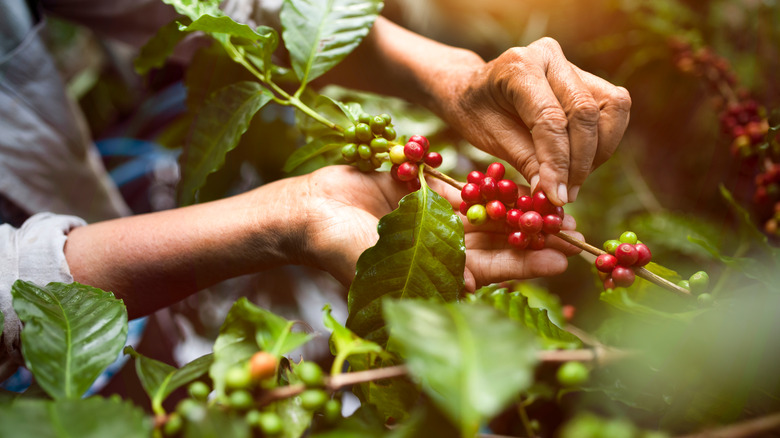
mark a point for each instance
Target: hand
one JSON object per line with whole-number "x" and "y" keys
{"x": 344, "y": 207}
{"x": 530, "y": 106}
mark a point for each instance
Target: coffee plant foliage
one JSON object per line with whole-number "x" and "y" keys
{"x": 423, "y": 357}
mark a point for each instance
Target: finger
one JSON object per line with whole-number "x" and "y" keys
{"x": 582, "y": 112}
{"x": 521, "y": 74}
{"x": 492, "y": 266}
{"x": 614, "y": 113}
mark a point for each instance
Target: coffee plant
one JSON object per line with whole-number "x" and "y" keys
{"x": 671, "y": 356}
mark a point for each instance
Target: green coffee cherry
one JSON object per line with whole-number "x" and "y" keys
{"x": 173, "y": 425}
{"x": 270, "y": 423}
{"x": 700, "y": 282}
{"x": 310, "y": 374}
{"x": 363, "y": 133}
{"x": 199, "y": 390}
{"x": 312, "y": 399}
{"x": 611, "y": 245}
{"x": 684, "y": 284}
{"x": 241, "y": 400}
{"x": 628, "y": 237}
{"x": 238, "y": 377}
{"x": 365, "y": 165}
{"x": 705, "y": 299}
{"x": 387, "y": 118}
{"x": 380, "y": 144}
{"x": 252, "y": 417}
{"x": 332, "y": 410}
{"x": 364, "y": 118}
{"x": 572, "y": 374}
{"x": 187, "y": 406}
{"x": 389, "y": 133}
{"x": 350, "y": 135}
{"x": 477, "y": 214}
{"x": 377, "y": 124}
{"x": 364, "y": 152}
{"x": 349, "y": 152}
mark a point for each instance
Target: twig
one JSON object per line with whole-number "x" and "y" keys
{"x": 743, "y": 429}
{"x": 446, "y": 178}
{"x": 599, "y": 356}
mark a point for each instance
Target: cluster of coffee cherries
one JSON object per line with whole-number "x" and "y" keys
{"x": 702, "y": 62}
{"x": 243, "y": 384}
{"x": 616, "y": 268}
{"x": 488, "y": 196}
{"x": 407, "y": 159}
{"x": 746, "y": 124}
{"x": 698, "y": 284}
{"x": 368, "y": 141}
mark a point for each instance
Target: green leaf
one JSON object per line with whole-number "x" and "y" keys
{"x": 214, "y": 422}
{"x": 195, "y": 8}
{"x": 319, "y": 34}
{"x": 94, "y": 417}
{"x": 72, "y": 332}
{"x": 226, "y": 25}
{"x": 160, "y": 379}
{"x": 516, "y": 306}
{"x": 425, "y": 422}
{"x": 247, "y": 329}
{"x": 472, "y": 361}
{"x": 154, "y": 53}
{"x": 295, "y": 418}
{"x": 421, "y": 253}
{"x": 344, "y": 343}
{"x": 352, "y": 110}
{"x": 216, "y": 131}
{"x": 365, "y": 422}
{"x": 623, "y": 299}
{"x": 315, "y": 148}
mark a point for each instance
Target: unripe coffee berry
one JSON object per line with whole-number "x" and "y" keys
{"x": 377, "y": 124}
{"x": 397, "y": 155}
{"x": 349, "y": 152}
{"x": 552, "y": 224}
{"x": 379, "y": 144}
{"x": 622, "y": 276}
{"x": 507, "y": 192}
{"x": 643, "y": 253}
{"x": 477, "y": 215}
{"x": 496, "y": 209}
{"x": 705, "y": 299}
{"x": 238, "y": 377}
{"x": 513, "y": 217}
{"x": 488, "y": 188}
{"x": 611, "y": 245}
{"x": 387, "y": 118}
{"x": 364, "y": 118}
{"x": 199, "y": 390}
{"x": 332, "y": 410}
{"x": 496, "y": 171}
{"x": 519, "y": 239}
{"x": 628, "y": 237}
{"x": 538, "y": 242}
{"x": 407, "y": 171}
{"x": 471, "y": 193}
{"x": 606, "y": 263}
{"x": 475, "y": 177}
{"x": 414, "y": 151}
{"x": 173, "y": 425}
{"x": 364, "y": 151}
{"x": 531, "y": 222}
{"x": 626, "y": 255}
{"x": 433, "y": 159}
{"x": 572, "y": 374}
{"x": 363, "y": 132}
{"x": 270, "y": 423}
{"x": 684, "y": 284}
{"x": 389, "y": 133}
{"x": 310, "y": 374}
{"x": 241, "y": 400}
{"x": 525, "y": 203}
{"x": 350, "y": 134}
{"x": 312, "y": 399}
{"x": 262, "y": 366}
{"x": 422, "y": 141}
{"x": 699, "y": 281}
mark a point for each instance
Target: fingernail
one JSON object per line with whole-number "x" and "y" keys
{"x": 563, "y": 193}
{"x": 573, "y": 192}
{"x": 534, "y": 181}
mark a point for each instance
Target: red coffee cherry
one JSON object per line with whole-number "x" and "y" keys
{"x": 407, "y": 171}
{"x": 609, "y": 283}
{"x": 643, "y": 253}
{"x": 525, "y": 203}
{"x": 414, "y": 184}
{"x": 488, "y": 188}
{"x": 513, "y": 218}
{"x": 531, "y": 222}
{"x": 626, "y": 255}
{"x": 519, "y": 239}
{"x": 464, "y": 207}
{"x": 538, "y": 242}
{"x": 471, "y": 193}
{"x": 543, "y": 205}
{"x": 552, "y": 224}
{"x": 496, "y": 171}
{"x": 394, "y": 173}
{"x": 507, "y": 192}
{"x": 475, "y": 177}
{"x": 622, "y": 276}
{"x": 414, "y": 151}
{"x": 422, "y": 141}
{"x": 433, "y": 159}
{"x": 496, "y": 209}
{"x": 606, "y": 263}
{"x": 559, "y": 212}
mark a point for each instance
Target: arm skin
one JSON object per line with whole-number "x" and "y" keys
{"x": 325, "y": 219}
{"x": 554, "y": 122}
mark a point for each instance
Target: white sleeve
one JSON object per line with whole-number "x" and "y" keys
{"x": 33, "y": 252}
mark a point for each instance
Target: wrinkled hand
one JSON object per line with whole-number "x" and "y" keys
{"x": 530, "y": 106}
{"x": 343, "y": 208}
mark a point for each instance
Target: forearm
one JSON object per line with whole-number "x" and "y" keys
{"x": 153, "y": 260}
{"x": 395, "y": 61}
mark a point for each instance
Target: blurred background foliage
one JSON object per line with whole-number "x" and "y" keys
{"x": 663, "y": 183}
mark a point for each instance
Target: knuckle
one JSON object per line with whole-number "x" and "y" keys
{"x": 547, "y": 43}
{"x": 620, "y": 98}
{"x": 585, "y": 110}
{"x": 552, "y": 120}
